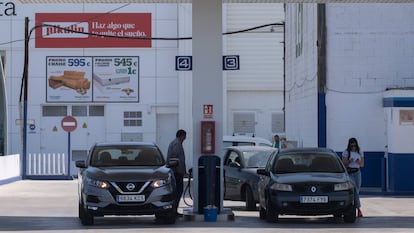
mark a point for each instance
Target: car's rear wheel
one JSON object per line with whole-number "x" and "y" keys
{"x": 262, "y": 212}
{"x": 85, "y": 217}
{"x": 166, "y": 218}
{"x": 271, "y": 213}
{"x": 350, "y": 215}
{"x": 249, "y": 199}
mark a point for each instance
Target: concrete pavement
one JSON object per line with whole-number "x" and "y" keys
{"x": 51, "y": 206}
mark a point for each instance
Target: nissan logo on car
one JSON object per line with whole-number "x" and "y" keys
{"x": 130, "y": 186}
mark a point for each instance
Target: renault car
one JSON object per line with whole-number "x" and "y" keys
{"x": 306, "y": 181}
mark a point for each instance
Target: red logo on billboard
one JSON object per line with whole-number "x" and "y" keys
{"x": 93, "y": 30}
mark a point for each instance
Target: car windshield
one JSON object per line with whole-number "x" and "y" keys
{"x": 126, "y": 156}
{"x": 307, "y": 162}
{"x": 255, "y": 159}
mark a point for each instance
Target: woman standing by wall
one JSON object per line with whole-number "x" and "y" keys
{"x": 353, "y": 159}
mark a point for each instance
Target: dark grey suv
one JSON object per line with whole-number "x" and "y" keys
{"x": 126, "y": 178}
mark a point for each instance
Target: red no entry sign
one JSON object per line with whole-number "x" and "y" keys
{"x": 69, "y": 123}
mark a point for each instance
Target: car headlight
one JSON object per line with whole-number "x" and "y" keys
{"x": 343, "y": 186}
{"x": 161, "y": 182}
{"x": 281, "y": 187}
{"x": 97, "y": 183}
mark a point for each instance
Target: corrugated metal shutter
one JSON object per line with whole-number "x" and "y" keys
{"x": 261, "y": 51}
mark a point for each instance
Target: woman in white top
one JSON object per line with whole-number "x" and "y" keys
{"x": 353, "y": 158}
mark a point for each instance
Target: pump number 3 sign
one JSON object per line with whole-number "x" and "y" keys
{"x": 231, "y": 62}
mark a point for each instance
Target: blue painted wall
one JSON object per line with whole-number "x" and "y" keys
{"x": 401, "y": 169}
{"x": 373, "y": 173}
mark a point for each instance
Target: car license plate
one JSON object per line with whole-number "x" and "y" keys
{"x": 130, "y": 198}
{"x": 313, "y": 199}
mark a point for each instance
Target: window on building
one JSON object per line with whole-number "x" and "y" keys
{"x": 52, "y": 111}
{"x": 131, "y": 137}
{"x": 96, "y": 110}
{"x": 244, "y": 123}
{"x": 79, "y": 110}
{"x": 132, "y": 119}
{"x": 278, "y": 122}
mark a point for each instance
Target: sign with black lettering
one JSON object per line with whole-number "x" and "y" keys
{"x": 7, "y": 9}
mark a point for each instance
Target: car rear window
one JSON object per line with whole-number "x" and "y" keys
{"x": 126, "y": 156}
{"x": 307, "y": 162}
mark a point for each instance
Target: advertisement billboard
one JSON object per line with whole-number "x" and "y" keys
{"x": 93, "y": 30}
{"x": 92, "y": 79}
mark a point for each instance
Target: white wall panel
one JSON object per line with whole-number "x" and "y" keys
{"x": 369, "y": 49}
{"x": 165, "y": 65}
{"x": 242, "y": 16}
{"x": 301, "y": 79}
{"x": 261, "y": 51}
{"x": 165, "y": 29}
{"x": 261, "y": 62}
{"x": 258, "y": 86}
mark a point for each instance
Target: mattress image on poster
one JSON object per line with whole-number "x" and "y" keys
{"x": 115, "y": 79}
{"x": 110, "y": 79}
{"x": 111, "y": 87}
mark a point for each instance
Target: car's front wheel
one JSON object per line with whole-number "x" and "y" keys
{"x": 166, "y": 218}
{"x": 249, "y": 199}
{"x": 350, "y": 215}
{"x": 271, "y": 213}
{"x": 85, "y": 217}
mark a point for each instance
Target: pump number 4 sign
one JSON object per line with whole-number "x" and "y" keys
{"x": 183, "y": 63}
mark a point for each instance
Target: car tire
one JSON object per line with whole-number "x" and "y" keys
{"x": 350, "y": 215}
{"x": 85, "y": 217}
{"x": 271, "y": 214}
{"x": 249, "y": 199}
{"x": 262, "y": 213}
{"x": 80, "y": 211}
{"x": 166, "y": 218}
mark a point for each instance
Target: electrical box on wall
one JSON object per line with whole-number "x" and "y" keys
{"x": 208, "y": 137}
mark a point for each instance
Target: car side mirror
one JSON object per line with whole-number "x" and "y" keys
{"x": 81, "y": 164}
{"x": 172, "y": 162}
{"x": 263, "y": 172}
